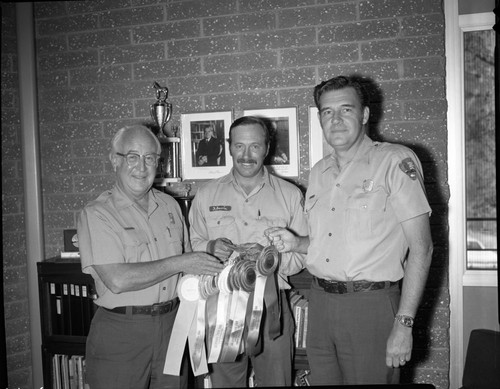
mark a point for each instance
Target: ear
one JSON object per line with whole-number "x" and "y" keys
{"x": 114, "y": 161}
{"x": 366, "y": 115}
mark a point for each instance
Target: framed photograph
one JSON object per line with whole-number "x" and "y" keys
{"x": 283, "y": 157}
{"x": 318, "y": 147}
{"x": 205, "y": 151}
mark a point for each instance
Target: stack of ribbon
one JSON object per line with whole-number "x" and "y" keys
{"x": 220, "y": 316}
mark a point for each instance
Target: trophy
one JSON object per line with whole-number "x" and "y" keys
{"x": 161, "y": 112}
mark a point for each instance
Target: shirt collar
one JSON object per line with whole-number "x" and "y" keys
{"x": 360, "y": 155}
{"x": 266, "y": 178}
{"x": 121, "y": 200}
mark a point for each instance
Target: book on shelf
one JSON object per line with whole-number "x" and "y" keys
{"x": 299, "y": 306}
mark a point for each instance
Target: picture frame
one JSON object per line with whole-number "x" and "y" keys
{"x": 318, "y": 147}
{"x": 283, "y": 157}
{"x": 204, "y": 159}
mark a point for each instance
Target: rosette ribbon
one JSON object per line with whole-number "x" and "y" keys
{"x": 187, "y": 328}
{"x": 265, "y": 292}
{"x": 241, "y": 281}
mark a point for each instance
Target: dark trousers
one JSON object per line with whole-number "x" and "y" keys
{"x": 272, "y": 367}
{"x": 128, "y": 351}
{"x": 347, "y": 336}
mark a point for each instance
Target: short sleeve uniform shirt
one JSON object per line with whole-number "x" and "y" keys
{"x": 355, "y": 214}
{"x": 114, "y": 229}
{"x": 222, "y": 209}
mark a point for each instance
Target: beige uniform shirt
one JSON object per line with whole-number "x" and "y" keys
{"x": 221, "y": 209}
{"x": 114, "y": 229}
{"x": 355, "y": 214}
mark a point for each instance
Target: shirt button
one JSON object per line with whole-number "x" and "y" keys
{"x": 156, "y": 240}
{"x": 245, "y": 223}
{"x": 338, "y": 185}
{"x": 328, "y": 260}
{"x": 364, "y": 206}
{"x": 164, "y": 288}
{"x": 246, "y": 201}
{"x": 333, "y": 209}
{"x": 329, "y": 234}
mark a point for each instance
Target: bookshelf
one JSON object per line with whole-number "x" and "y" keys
{"x": 66, "y": 309}
{"x": 65, "y": 334}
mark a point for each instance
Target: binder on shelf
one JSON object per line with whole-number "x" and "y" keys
{"x": 55, "y": 308}
{"x": 76, "y": 310}
{"x": 66, "y": 309}
{"x": 87, "y": 307}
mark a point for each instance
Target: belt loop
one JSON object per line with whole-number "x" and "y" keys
{"x": 350, "y": 286}
{"x": 128, "y": 310}
{"x": 387, "y": 284}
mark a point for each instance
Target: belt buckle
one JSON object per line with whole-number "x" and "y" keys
{"x": 155, "y": 309}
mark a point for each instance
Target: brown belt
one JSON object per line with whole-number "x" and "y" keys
{"x": 341, "y": 287}
{"x": 152, "y": 310}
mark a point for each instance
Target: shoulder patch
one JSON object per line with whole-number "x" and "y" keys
{"x": 409, "y": 168}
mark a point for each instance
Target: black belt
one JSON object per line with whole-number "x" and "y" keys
{"x": 152, "y": 310}
{"x": 341, "y": 287}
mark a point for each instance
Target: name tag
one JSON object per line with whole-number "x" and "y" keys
{"x": 215, "y": 208}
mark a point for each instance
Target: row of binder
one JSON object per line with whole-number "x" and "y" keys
{"x": 72, "y": 308}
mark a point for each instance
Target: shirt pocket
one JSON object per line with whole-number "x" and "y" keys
{"x": 366, "y": 214}
{"x": 175, "y": 239}
{"x": 136, "y": 246}
{"x": 221, "y": 226}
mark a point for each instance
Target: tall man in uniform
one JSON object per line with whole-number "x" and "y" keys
{"x": 134, "y": 243}
{"x": 369, "y": 228}
{"x": 237, "y": 209}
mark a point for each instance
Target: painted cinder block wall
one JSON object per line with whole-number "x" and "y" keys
{"x": 96, "y": 64}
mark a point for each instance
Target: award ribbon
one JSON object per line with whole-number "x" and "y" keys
{"x": 223, "y": 304}
{"x": 188, "y": 291}
{"x": 265, "y": 266}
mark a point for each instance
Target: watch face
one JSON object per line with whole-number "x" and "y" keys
{"x": 405, "y": 320}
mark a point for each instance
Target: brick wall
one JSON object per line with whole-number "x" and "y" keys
{"x": 97, "y": 61}
{"x": 13, "y": 229}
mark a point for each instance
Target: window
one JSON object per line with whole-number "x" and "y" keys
{"x": 479, "y": 131}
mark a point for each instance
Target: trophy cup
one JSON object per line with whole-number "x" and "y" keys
{"x": 161, "y": 112}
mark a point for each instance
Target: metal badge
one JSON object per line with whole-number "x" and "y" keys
{"x": 368, "y": 185}
{"x": 172, "y": 219}
{"x": 409, "y": 168}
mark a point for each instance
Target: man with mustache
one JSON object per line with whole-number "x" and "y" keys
{"x": 237, "y": 209}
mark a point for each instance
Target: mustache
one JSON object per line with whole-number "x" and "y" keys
{"x": 244, "y": 160}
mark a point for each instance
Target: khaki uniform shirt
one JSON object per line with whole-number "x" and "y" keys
{"x": 355, "y": 214}
{"x": 114, "y": 229}
{"x": 222, "y": 209}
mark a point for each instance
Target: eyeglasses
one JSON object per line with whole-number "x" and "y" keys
{"x": 134, "y": 158}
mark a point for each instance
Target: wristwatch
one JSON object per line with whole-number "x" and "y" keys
{"x": 405, "y": 320}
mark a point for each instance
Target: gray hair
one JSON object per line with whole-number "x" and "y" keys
{"x": 122, "y": 132}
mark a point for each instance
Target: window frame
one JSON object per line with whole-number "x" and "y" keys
{"x": 466, "y": 23}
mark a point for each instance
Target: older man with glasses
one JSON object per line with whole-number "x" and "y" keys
{"x": 134, "y": 243}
